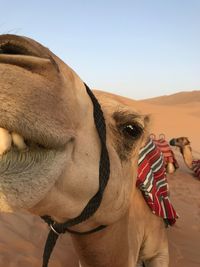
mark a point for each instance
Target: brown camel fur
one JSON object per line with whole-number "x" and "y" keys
{"x": 50, "y": 157}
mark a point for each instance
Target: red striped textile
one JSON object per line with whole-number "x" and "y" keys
{"x": 153, "y": 184}
{"x": 167, "y": 152}
{"x": 196, "y": 167}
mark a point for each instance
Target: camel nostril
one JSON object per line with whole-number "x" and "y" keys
{"x": 17, "y": 45}
{"x": 10, "y": 48}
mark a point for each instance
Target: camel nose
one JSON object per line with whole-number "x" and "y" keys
{"x": 26, "y": 53}
{"x": 18, "y": 45}
{"x": 172, "y": 142}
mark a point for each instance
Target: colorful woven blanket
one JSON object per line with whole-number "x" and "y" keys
{"x": 153, "y": 183}
{"x": 167, "y": 152}
{"x": 196, "y": 167}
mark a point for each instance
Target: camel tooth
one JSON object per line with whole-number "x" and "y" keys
{"x": 5, "y": 141}
{"x": 18, "y": 141}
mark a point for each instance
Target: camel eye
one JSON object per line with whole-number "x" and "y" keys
{"x": 132, "y": 130}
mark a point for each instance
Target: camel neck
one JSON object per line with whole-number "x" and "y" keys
{"x": 187, "y": 155}
{"x": 107, "y": 248}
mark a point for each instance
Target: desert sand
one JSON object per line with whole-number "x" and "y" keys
{"x": 22, "y": 236}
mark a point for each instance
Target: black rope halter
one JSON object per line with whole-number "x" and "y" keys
{"x": 104, "y": 172}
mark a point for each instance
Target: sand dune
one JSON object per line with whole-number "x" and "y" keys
{"x": 22, "y": 236}
{"x": 176, "y": 99}
{"x": 175, "y": 121}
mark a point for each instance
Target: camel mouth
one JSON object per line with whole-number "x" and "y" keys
{"x": 19, "y": 154}
{"x": 11, "y": 142}
{"x": 28, "y": 170}
{"x": 14, "y": 157}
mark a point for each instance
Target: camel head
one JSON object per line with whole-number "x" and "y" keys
{"x": 49, "y": 145}
{"x": 180, "y": 142}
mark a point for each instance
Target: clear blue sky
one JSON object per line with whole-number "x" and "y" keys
{"x": 138, "y": 49}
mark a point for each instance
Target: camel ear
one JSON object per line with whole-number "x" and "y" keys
{"x": 147, "y": 123}
{"x": 147, "y": 119}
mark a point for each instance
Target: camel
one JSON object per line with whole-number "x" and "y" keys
{"x": 183, "y": 144}
{"x": 62, "y": 146}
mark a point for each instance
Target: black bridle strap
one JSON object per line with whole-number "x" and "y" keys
{"x": 95, "y": 201}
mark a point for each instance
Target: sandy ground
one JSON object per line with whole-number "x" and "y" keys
{"x": 184, "y": 237}
{"x": 22, "y": 236}
{"x": 22, "y": 240}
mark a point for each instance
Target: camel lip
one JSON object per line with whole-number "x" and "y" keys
{"x": 36, "y": 139}
{"x": 44, "y": 143}
{"x": 31, "y": 147}
{"x": 17, "y": 161}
